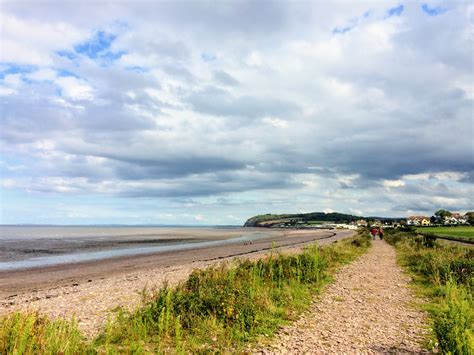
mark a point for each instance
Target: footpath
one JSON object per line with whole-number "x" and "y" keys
{"x": 368, "y": 309}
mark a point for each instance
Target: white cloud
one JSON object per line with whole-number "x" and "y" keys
{"x": 393, "y": 183}
{"x": 75, "y": 89}
{"x": 199, "y": 218}
{"x": 6, "y": 91}
{"x": 287, "y": 115}
{"x": 254, "y": 59}
{"x": 275, "y": 122}
{"x": 13, "y": 80}
{"x": 42, "y": 74}
{"x": 34, "y": 41}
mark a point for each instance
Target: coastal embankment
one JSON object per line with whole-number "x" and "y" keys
{"x": 90, "y": 290}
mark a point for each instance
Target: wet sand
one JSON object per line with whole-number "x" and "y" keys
{"x": 30, "y": 246}
{"x": 20, "y": 281}
{"x": 91, "y": 289}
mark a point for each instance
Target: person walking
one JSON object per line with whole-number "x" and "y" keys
{"x": 381, "y": 233}
{"x": 373, "y": 231}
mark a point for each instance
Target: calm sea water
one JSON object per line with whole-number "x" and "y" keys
{"x": 35, "y": 246}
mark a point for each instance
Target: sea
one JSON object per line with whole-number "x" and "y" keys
{"x": 24, "y": 247}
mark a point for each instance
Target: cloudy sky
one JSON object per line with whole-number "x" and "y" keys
{"x": 206, "y": 112}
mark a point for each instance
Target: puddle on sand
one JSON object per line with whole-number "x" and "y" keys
{"x": 59, "y": 258}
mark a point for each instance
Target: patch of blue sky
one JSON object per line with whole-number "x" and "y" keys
{"x": 14, "y": 165}
{"x": 395, "y": 11}
{"x": 108, "y": 58}
{"x": 98, "y": 48}
{"x": 137, "y": 69}
{"x": 352, "y": 23}
{"x": 67, "y": 54}
{"x": 433, "y": 11}
{"x": 111, "y": 56}
{"x": 208, "y": 56}
{"x": 11, "y": 68}
{"x": 98, "y": 44}
{"x": 65, "y": 73}
{"x": 342, "y": 30}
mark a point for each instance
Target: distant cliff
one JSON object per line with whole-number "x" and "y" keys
{"x": 274, "y": 220}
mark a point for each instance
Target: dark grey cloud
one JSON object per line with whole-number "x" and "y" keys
{"x": 392, "y": 157}
{"x": 429, "y": 206}
{"x": 178, "y": 71}
{"x": 219, "y": 102}
{"x": 163, "y": 167}
{"x": 163, "y": 49}
{"x": 224, "y": 78}
{"x": 469, "y": 175}
{"x": 213, "y": 184}
{"x": 28, "y": 117}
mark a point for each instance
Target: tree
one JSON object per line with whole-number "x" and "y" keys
{"x": 470, "y": 218}
{"x": 443, "y": 214}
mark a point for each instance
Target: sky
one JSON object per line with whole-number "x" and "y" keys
{"x": 205, "y": 112}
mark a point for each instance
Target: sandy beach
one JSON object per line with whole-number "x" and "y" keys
{"x": 90, "y": 290}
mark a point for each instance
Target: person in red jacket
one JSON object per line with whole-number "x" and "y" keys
{"x": 373, "y": 231}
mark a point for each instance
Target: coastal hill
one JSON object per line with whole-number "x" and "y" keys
{"x": 278, "y": 220}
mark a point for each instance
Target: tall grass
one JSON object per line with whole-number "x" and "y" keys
{"x": 220, "y": 309}
{"x": 446, "y": 273}
{"x": 32, "y": 333}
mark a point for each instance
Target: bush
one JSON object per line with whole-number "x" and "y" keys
{"x": 31, "y": 333}
{"x": 449, "y": 272}
{"x": 453, "y": 323}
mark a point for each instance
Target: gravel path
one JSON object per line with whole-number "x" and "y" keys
{"x": 368, "y": 309}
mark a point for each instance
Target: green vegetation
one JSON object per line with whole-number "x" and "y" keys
{"x": 32, "y": 333}
{"x": 268, "y": 220}
{"x": 221, "y": 309}
{"x": 457, "y": 231}
{"x": 470, "y": 218}
{"x": 442, "y": 214}
{"x": 445, "y": 275}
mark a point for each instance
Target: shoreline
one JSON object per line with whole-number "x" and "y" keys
{"x": 90, "y": 290}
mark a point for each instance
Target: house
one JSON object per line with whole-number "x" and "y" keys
{"x": 418, "y": 221}
{"x": 455, "y": 218}
{"x": 413, "y": 221}
{"x": 361, "y": 223}
{"x": 425, "y": 222}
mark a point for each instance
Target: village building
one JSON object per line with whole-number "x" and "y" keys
{"x": 455, "y": 219}
{"x": 418, "y": 221}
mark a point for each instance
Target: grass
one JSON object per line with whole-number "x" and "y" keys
{"x": 457, "y": 231}
{"x": 220, "y": 309}
{"x": 32, "y": 333}
{"x": 444, "y": 274}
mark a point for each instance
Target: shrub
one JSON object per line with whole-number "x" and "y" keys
{"x": 449, "y": 272}
{"x": 453, "y": 323}
{"x": 31, "y": 333}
